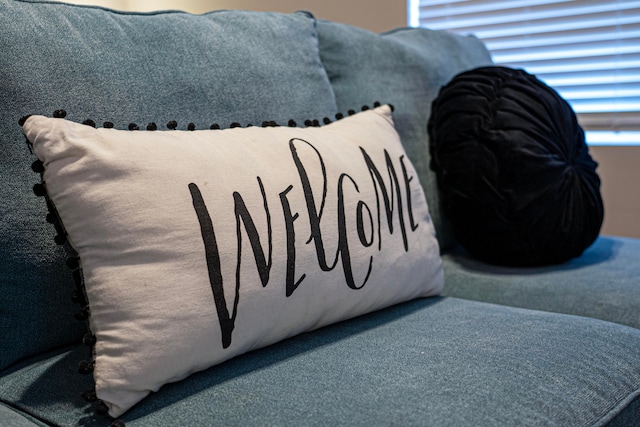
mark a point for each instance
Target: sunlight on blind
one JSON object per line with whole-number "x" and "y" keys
{"x": 588, "y": 50}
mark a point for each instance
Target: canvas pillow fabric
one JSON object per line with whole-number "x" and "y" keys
{"x": 218, "y": 67}
{"x": 196, "y": 246}
{"x": 405, "y": 67}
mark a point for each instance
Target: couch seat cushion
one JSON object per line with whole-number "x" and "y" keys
{"x": 435, "y": 361}
{"x": 603, "y": 283}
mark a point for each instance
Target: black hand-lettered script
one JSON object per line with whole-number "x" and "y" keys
{"x": 389, "y": 205}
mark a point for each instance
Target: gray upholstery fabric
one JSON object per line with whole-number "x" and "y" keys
{"x": 437, "y": 361}
{"x": 603, "y": 283}
{"x": 406, "y": 68}
{"x": 13, "y": 418}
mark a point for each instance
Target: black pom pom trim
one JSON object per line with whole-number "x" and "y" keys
{"x": 191, "y": 126}
{"x": 107, "y": 125}
{"x": 214, "y": 126}
{"x": 39, "y": 190}
{"x": 90, "y": 396}
{"x": 351, "y": 112}
{"x": 376, "y": 104}
{"x": 292, "y": 123}
{"x": 37, "y": 166}
{"x": 23, "y": 119}
{"x": 77, "y": 278}
{"x": 365, "y": 107}
{"x": 308, "y": 123}
{"x": 101, "y": 408}
{"x": 85, "y": 368}
{"x": 73, "y": 262}
{"x": 326, "y": 121}
{"x": 89, "y": 340}
{"x": 82, "y": 314}
{"x": 60, "y": 239}
{"x": 78, "y": 298}
{"x": 235, "y": 125}
{"x": 133, "y": 126}
{"x": 89, "y": 122}
{"x": 339, "y": 116}
{"x": 152, "y": 126}
{"x": 172, "y": 125}
{"x": 59, "y": 114}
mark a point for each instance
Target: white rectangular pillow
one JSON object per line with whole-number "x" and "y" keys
{"x": 197, "y": 246}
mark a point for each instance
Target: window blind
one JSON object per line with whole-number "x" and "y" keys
{"x": 588, "y": 50}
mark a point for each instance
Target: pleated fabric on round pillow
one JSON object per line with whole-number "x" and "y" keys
{"x": 514, "y": 171}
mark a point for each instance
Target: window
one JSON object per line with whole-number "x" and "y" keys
{"x": 588, "y": 50}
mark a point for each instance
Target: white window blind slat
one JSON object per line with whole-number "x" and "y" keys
{"x": 588, "y": 50}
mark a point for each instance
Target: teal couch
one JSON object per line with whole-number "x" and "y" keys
{"x": 556, "y": 346}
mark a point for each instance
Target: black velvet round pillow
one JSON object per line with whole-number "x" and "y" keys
{"x": 516, "y": 179}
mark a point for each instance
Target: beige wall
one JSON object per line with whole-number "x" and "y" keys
{"x": 619, "y": 171}
{"x": 376, "y": 15}
{"x": 619, "y": 166}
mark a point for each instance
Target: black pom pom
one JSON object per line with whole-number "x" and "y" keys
{"x": 84, "y": 367}
{"x": 89, "y": 122}
{"x": 172, "y": 125}
{"x": 37, "y": 166}
{"x": 39, "y": 190}
{"x": 249, "y": 125}
{"x": 81, "y": 314}
{"x": 191, "y": 126}
{"x": 351, "y": 112}
{"x": 89, "y": 340}
{"x": 376, "y": 104}
{"x": 23, "y": 119}
{"x": 392, "y": 107}
{"x": 339, "y": 116}
{"x": 292, "y": 123}
{"x": 152, "y": 126}
{"x": 235, "y": 125}
{"x": 365, "y": 107}
{"x": 133, "y": 126}
{"x": 308, "y": 123}
{"x": 107, "y": 125}
{"x": 73, "y": 263}
{"x": 89, "y": 396}
{"x": 214, "y": 126}
{"x": 77, "y": 298}
{"x": 60, "y": 239}
{"x": 77, "y": 277}
{"x": 59, "y": 114}
{"x": 265, "y": 124}
{"x": 326, "y": 120}
{"x": 51, "y": 218}
{"x": 101, "y": 408}
{"x": 316, "y": 123}
{"x": 117, "y": 423}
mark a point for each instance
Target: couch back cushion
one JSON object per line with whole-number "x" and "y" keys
{"x": 406, "y": 68}
{"x": 218, "y": 67}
